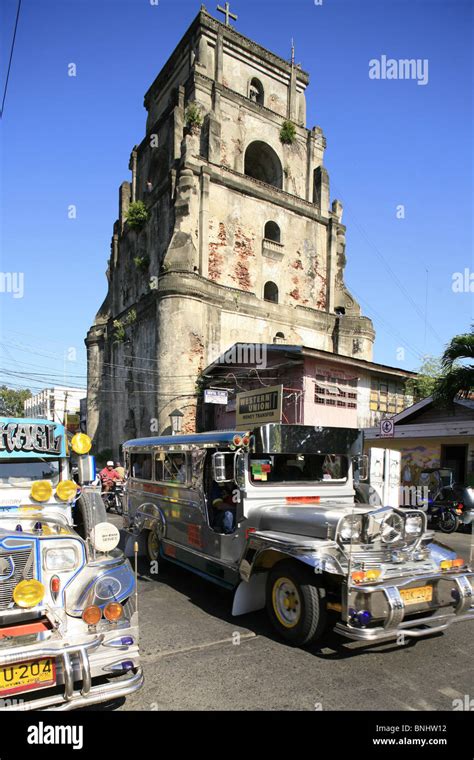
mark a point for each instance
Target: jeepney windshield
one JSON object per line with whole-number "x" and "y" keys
{"x": 21, "y": 472}
{"x": 297, "y": 468}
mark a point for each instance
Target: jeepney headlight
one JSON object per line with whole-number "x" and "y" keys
{"x": 60, "y": 560}
{"x": 66, "y": 490}
{"x": 41, "y": 490}
{"x": 413, "y": 525}
{"x": 350, "y": 528}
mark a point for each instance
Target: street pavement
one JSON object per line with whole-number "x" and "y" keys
{"x": 193, "y": 658}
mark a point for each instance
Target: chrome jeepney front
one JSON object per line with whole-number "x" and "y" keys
{"x": 90, "y": 663}
{"x": 380, "y": 611}
{"x": 89, "y": 667}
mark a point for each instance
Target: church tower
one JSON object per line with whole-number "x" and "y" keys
{"x": 237, "y": 240}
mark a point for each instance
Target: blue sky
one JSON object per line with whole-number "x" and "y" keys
{"x": 67, "y": 141}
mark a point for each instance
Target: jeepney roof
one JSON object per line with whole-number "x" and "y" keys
{"x": 210, "y": 438}
{"x": 269, "y": 438}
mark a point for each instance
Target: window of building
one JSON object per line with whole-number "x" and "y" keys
{"x": 262, "y": 163}
{"x": 334, "y": 391}
{"x": 279, "y": 338}
{"x": 270, "y": 292}
{"x": 385, "y": 397}
{"x": 256, "y": 91}
{"x": 272, "y": 232}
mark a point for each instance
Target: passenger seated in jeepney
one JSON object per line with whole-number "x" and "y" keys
{"x": 223, "y": 507}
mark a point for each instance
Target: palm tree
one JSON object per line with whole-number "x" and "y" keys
{"x": 458, "y": 379}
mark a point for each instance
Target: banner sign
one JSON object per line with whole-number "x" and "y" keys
{"x": 259, "y": 406}
{"x": 212, "y": 396}
{"x": 27, "y": 438}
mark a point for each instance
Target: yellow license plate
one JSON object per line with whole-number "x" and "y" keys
{"x": 23, "y": 676}
{"x": 416, "y": 595}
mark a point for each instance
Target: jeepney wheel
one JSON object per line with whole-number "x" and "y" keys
{"x": 296, "y": 603}
{"x": 152, "y": 546}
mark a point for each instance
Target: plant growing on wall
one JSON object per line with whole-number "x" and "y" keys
{"x": 142, "y": 263}
{"x": 137, "y": 215}
{"x": 194, "y": 116}
{"x": 288, "y": 133}
{"x": 119, "y": 331}
{"x": 120, "y": 326}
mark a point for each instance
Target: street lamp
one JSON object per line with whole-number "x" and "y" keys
{"x": 176, "y": 418}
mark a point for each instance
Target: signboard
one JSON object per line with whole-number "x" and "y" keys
{"x": 259, "y": 406}
{"x": 212, "y": 396}
{"x": 20, "y": 438}
{"x": 387, "y": 428}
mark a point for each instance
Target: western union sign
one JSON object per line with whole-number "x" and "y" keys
{"x": 259, "y": 406}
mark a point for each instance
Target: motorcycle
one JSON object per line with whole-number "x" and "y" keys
{"x": 113, "y": 499}
{"x": 450, "y": 504}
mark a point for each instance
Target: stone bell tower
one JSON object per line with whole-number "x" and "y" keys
{"x": 240, "y": 242}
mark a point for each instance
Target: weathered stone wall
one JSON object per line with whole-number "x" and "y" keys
{"x": 192, "y": 281}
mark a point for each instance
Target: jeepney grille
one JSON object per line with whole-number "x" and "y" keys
{"x": 24, "y": 569}
{"x": 369, "y": 560}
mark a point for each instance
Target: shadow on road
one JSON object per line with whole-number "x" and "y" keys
{"x": 217, "y": 602}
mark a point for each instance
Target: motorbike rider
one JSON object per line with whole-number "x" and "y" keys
{"x": 109, "y": 476}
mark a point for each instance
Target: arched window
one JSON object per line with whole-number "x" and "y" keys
{"x": 256, "y": 93}
{"x": 270, "y": 292}
{"x": 261, "y": 162}
{"x": 272, "y": 232}
{"x": 279, "y": 337}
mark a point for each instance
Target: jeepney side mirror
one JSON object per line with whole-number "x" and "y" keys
{"x": 219, "y": 473}
{"x": 360, "y": 467}
{"x": 86, "y": 469}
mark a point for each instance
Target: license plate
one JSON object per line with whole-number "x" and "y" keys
{"x": 416, "y": 595}
{"x": 23, "y": 676}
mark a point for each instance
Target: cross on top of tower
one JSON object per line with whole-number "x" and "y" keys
{"x": 227, "y": 12}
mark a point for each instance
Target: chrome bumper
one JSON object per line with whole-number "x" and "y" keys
{"x": 73, "y": 664}
{"x": 395, "y": 625}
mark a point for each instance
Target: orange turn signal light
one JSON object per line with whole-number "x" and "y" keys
{"x": 361, "y": 576}
{"x": 449, "y": 564}
{"x": 113, "y": 611}
{"x": 92, "y": 615}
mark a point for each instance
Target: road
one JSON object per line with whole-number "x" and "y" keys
{"x": 194, "y": 660}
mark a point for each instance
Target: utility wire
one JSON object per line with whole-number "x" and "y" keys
{"x": 11, "y": 57}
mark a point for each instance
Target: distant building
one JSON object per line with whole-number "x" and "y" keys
{"x": 319, "y": 387}
{"x": 61, "y": 404}
{"x": 428, "y": 436}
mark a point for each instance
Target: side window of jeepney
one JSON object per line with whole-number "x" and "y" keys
{"x": 171, "y": 467}
{"x": 140, "y": 466}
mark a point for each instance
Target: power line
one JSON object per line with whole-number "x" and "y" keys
{"x": 11, "y": 57}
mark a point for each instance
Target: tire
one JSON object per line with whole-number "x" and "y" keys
{"x": 449, "y": 525}
{"x": 366, "y": 494}
{"x": 305, "y": 622}
{"x": 90, "y": 510}
{"x": 152, "y": 546}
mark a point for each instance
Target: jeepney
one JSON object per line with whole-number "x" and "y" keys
{"x": 301, "y": 547}
{"x": 68, "y": 617}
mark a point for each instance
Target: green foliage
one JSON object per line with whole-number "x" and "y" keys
{"x": 423, "y": 385}
{"x": 288, "y": 133}
{"x": 142, "y": 263}
{"x": 457, "y": 379}
{"x": 194, "y": 116}
{"x": 120, "y": 325}
{"x": 119, "y": 331}
{"x": 11, "y": 401}
{"x": 137, "y": 215}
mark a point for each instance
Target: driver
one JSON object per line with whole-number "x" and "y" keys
{"x": 109, "y": 476}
